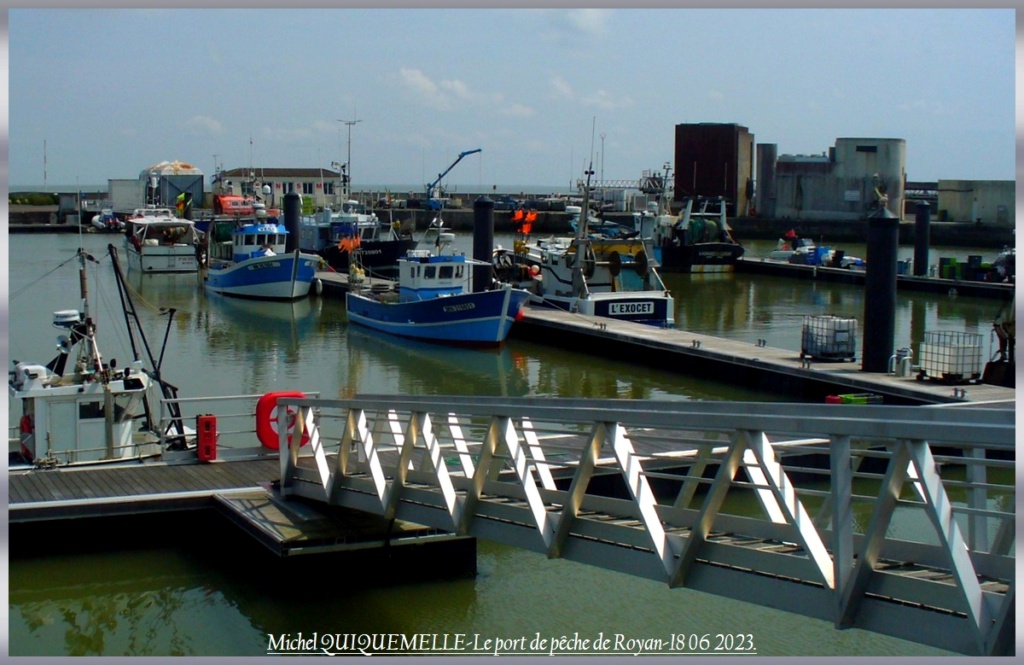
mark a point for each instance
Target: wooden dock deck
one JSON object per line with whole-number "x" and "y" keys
{"x": 132, "y": 488}
{"x": 336, "y": 283}
{"x": 777, "y": 369}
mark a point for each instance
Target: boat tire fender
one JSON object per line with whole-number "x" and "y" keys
{"x": 266, "y": 420}
{"x": 640, "y": 263}
{"x": 614, "y": 264}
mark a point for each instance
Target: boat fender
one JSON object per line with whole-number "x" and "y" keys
{"x": 319, "y": 286}
{"x": 28, "y": 428}
{"x": 266, "y": 420}
{"x": 614, "y": 264}
{"x": 640, "y": 263}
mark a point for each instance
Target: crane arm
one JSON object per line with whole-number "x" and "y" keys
{"x": 441, "y": 176}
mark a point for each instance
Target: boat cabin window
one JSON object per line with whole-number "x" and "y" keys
{"x": 446, "y": 272}
{"x": 94, "y": 410}
{"x": 430, "y": 272}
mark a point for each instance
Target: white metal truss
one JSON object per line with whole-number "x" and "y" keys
{"x": 488, "y": 468}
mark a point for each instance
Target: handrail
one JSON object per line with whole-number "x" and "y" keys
{"x": 517, "y": 470}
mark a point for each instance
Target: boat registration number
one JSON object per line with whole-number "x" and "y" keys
{"x": 619, "y": 308}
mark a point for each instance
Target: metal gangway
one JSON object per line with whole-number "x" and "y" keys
{"x": 898, "y": 520}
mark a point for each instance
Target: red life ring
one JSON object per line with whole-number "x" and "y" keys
{"x": 266, "y": 420}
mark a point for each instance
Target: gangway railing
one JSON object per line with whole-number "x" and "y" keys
{"x": 898, "y": 520}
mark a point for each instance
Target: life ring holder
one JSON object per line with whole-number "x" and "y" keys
{"x": 266, "y": 419}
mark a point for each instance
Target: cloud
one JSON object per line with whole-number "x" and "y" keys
{"x": 201, "y": 125}
{"x": 592, "y": 22}
{"x": 604, "y": 100}
{"x": 518, "y": 111}
{"x": 447, "y": 94}
{"x": 424, "y": 88}
{"x": 562, "y": 88}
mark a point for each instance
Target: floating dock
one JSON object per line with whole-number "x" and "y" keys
{"x": 243, "y": 491}
{"x": 759, "y": 367}
{"x": 761, "y": 266}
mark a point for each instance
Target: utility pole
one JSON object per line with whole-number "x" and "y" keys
{"x": 348, "y": 163}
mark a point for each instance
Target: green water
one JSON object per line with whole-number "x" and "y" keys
{"x": 179, "y": 596}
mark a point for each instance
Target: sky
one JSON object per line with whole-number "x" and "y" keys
{"x": 101, "y": 94}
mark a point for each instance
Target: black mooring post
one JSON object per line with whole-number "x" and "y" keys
{"x": 292, "y": 212}
{"x": 880, "y": 290}
{"x": 922, "y": 239}
{"x": 483, "y": 241}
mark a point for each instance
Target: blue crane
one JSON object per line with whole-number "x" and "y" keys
{"x": 433, "y": 203}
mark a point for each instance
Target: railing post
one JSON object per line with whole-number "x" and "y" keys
{"x": 841, "y": 489}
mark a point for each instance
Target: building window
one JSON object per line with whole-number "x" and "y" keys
{"x": 867, "y": 148}
{"x": 307, "y": 188}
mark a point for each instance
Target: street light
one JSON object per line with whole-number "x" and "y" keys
{"x": 349, "y": 162}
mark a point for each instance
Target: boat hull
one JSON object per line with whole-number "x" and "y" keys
{"x": 620, "y": 284}
{"x": 281, "y": 277}
{"x": 162, "y": 258}
{"x": 702, "y": 257}
{"x": 483, "y": 317}
{"x": 379, "y": 258}
{"x": 648, "y": 308}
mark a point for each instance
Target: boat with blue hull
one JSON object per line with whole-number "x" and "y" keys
{"x": 254, "y": 263}
{"x": 435, "y": 301}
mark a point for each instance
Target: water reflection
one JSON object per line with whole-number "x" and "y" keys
{"x": 750, "y": 307}
{"x": 432, "y": 369}
{"x": 137, "y": 604}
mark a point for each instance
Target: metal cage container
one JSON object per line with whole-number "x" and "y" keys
{"x": 829, "y": 338}
{"x": 951, "y": 356}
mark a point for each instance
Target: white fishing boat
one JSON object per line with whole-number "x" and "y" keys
{"x": 157, "y": 241}
{"x": 81, "y": 408}
{"x": 590, "y": 274}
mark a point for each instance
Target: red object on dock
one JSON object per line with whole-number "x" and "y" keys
{"x": 206, "y": 443}
{"x": 833, "y": 399}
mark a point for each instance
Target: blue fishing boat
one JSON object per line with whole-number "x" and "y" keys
{"x": 251, "y": 261}
{"x": 436, "y": 301}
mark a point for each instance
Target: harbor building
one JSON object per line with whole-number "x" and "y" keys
{"x": 319, "y": 187}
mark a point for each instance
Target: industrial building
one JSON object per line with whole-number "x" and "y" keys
{"x": 715, "y": 159}
{"x": 849, "y": 181}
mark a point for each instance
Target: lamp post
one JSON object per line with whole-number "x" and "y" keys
{"x": 349, "y": 158}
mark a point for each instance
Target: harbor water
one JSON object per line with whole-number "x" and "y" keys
{"x": 192, "y": 594}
